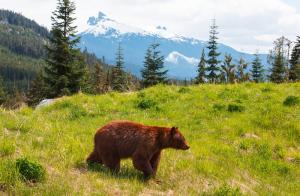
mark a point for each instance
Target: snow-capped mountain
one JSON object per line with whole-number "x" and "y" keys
{"x": 103, "y": 35}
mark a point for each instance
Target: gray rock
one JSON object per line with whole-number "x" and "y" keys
{"x": 45, "y": 102}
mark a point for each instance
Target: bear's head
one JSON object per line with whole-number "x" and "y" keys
{"x": 177, "y": 140}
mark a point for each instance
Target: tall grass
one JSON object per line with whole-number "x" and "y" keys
{"x": 244, "y": 139}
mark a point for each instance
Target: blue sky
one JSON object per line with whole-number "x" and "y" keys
{"x": 295, "y": 3}
{"x": 243, "y": 24}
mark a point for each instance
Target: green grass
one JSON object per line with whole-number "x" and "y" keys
{"x": 243, "y": 138}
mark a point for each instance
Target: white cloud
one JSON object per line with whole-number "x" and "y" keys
{"x": 174, "y": 57}
{"x": 268, "y": 38}
{"x": 245, "y": 25}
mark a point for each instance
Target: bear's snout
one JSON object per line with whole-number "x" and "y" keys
{"x": 186, "y": 147}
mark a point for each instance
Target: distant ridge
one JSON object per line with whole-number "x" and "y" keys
{"x": 103, "y": 34}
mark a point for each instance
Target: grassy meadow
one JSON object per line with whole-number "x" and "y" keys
{"x": 245, "y": 140}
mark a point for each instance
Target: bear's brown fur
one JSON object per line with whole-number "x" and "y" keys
{"x": 124, "y": 139}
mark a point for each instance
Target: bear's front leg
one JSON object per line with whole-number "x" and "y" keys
{"x": 94, "y": 158}
{"x": 142, "y": 163}
{"x": 155, "y": 161}
{"x": 112, "y": 162}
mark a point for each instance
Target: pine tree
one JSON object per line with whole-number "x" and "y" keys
{"x": 201, "y": 69}
{"x": 148, "y": 73}
{"x": 98, "y": 79}
{"x": 118, "y": 75}
{"x": 212, "y": 60}
{"x": 257, "y": 71}
{"x": 37, "y": 91}
{"x": 294, "y": 73}
{"x": 277, "y": 60}
{"x": 228, "y": 69}
{"x": 277, "y": 71}
{"x": 153, "y": 72}
{"x": 65, "y": 70}
{"x": 242, "y": 75}
{"x": 3, "y": 94}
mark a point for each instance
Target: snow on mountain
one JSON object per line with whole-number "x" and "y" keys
{"x": 102, "y": 25}
{"x": 103, "y": 35}
{"x": 106, "y": 26}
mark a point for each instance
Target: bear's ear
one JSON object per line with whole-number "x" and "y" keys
{"x": 173, "y": 131}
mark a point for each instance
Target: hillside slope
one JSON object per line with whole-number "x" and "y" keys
{"x": 21, "y": 49}
{"x": 243, "y": 140}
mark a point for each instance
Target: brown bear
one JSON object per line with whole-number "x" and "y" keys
{"x": 124, "y": 139}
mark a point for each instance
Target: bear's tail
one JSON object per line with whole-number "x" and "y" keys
{"x": 93, "y": 158}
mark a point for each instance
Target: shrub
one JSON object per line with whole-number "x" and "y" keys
{"x": 219, "y": 107}
{"x": 184, "y": 90}
{"x": 291, "y": 101}
{"x": 283, "y": 169}
{"x": 141, "y": 94}
{"x": 235, "y": 108}
{"x": 30, "y": 171}
{"x": 266, "y": 89}
{"x": 146, "y": 104}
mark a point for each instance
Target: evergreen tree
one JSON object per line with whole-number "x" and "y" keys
{"x": 98, "y": 79}
{"x": 242, "y": 75}
{"x": 257, "y": 71}
{"x": 148, "y": 73}
{"x": 65, "y": 70}
{"x": 201, "y": 69}
{"x": 294, "y": 73}
{"x": 212, "y": 60}
{"x": 2, "y": 92}
{"x": 118, "y": 75}
{"x": 278, "y": 58}
{"x": 277, "y": 70}
{"x": 228, "y": 70}
{"x": 153, "y": 72}
{"x": 37, "y": 91}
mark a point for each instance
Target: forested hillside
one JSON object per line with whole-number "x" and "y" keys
{"x": 21, "y": 50}
{"x": 22, "y": 53}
